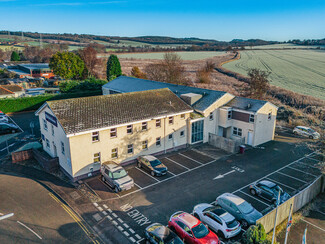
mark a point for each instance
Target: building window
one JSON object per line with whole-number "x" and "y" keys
{"x": 211, "y": 116}
{"x": 47, "y": 143}
{"x": 170, "y": 136}
{"x": 113, "y": 132}
{"x": 158, "y": 123}
{"x": 114, "y": 153}
{"x": 97, "y": 157}
{"x": 62, "y": 148}
{"x": 45, "y": 124}
{"x": 229, "y": 114}
{"x": 52, "y": 128}
{"x": 237, "y": 131}
{"x": 182, "y": 133}
{"x": 144, "y": 125}
{"x": 171, "y": 120}
{"x": 182, "y": 116}
{"x": 251, "y": 118}
{"x": 129, "y": 129}
{"x": 145, "y": 145}
{"x": 95, "y": 136}
{"x": 269, "y": 116}
{"x": 158, "y": 141}
{"x": 130, "y": 148}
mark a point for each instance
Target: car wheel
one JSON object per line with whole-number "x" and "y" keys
{"x": 153, "y": 173}
{"x": 116, "y": 189}
{"x": 196, "y": 216}
{"x": 139, "y": 165}
{"x": 147, "y": 242}
{"x": 220, "y": 234}
{"x": 311, "y": 137}
{"x": 103, "y": 179}
{"x": 253, "y": 192}
{"x": 244, "y": 224}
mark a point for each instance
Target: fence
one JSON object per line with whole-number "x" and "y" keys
{"x": 299, "y": 200}
{"x": 227, "y": 144}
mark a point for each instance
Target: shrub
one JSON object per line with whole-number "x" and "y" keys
{"x": 81, "y": 86}
{"x": 113, "y": 67}
{"x": 255, "y": 235}
{"x": 15, "y": 56}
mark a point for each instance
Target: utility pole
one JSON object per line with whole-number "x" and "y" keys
{"x": 276, "y": 213}
{"x": 40, "y": 40}
{"x": 22, "y": 36}
{"x": 288, "y": 225}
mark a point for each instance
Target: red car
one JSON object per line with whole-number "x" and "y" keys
{"x": 191, "y": 230}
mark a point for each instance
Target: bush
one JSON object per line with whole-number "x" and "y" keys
{"x": 81, "y": 86}
{"x": 255, "y": 235}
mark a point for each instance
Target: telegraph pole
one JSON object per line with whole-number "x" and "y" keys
{"x": 276, "y": 213}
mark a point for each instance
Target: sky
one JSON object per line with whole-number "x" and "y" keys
{"x": 278, "y": 20}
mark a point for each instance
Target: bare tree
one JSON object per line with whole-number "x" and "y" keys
{"x": 259, "y": 83}
{"x": 203, "y": 75}
{"x": 89, "y": 56}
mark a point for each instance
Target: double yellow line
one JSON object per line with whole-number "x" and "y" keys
{"x": 75, "y": 218}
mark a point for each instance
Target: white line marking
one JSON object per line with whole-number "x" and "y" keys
{"x": 132, "y": 239}
{"x": 312, "y": 224}
{"x": 95, "y": 204}
{"x": 309, "y": 165}
{"x": 114, "y": 222}
{"x": 221, "y": 176}
{"x": 119, "y": 220}
{"x": 29, "y": 229}
{"x": 274, "y": 172}
{"x": 281, "y": 184}
{"x": 177, "y": 163}
{"x": 1, "y": 213}
{"x": 137, "y": 185}
{"x": 109, "y": 217}
{"x": 315, "y": 159}
{"x": 137, "y": 236}
{"x": 147, "y": 174}
{"x": 15, "y": 123}
{"x": 109, "y": 210}
{"x": 7, "y": 147}
{"x": 292, "y": 177}
{"x": 105, "y": 206}
{"x": 132, "y": 231}
{"x": 125, "y": 233}
{"x": 171, "y": 172}
{"x": 100, "y": 208}
{"x": 302, "y": 171}
{"x": 104, "y": 212}
{"x": 255, "y": 198}
{"x": 202, "y": 153}
{"x": 126, "y": 226}
{"x": 140, "y": 240}
{"x": 190, "y": 158}
{"x": 114, "y": 214}
{"x": 120, "y": 228}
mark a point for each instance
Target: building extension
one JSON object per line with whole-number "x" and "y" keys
{"x": 32, "y": 70}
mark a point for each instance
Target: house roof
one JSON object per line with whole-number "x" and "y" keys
{"x": 91, "y": 113}
{"x": 4, "y": 91}
{"x": 247, "y": 104}
{"x": 35, "y": 66}
{"x": 13, "y": 88}
{"x": 125, "y": 84}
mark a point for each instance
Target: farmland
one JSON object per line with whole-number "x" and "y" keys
{"x": 301, "y": 71}
{"x": 284, "y": 46}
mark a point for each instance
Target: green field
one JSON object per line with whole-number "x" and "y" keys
{"x": 282, "y": 46}
{"x": 301, "y": 71}
{"x": 183, "y": 55}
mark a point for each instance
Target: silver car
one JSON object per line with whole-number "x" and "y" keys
{"x": 306, "y": 131}
{"x": 116, "y": 177}
{"x": 239, "y": 208}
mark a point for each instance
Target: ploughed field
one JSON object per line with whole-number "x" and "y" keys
{"x": 301, "y": 71}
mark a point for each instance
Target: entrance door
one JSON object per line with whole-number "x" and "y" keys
{"x": 220, "y": 131}
{"x": 197, "y": 131}
{"x": 250, "y": 138}
{"x": 55, "y": 151}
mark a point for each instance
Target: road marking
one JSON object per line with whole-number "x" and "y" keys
{"x": 190, "y": 158}
{"x": 221, "y": 176}
{"x": 114, "y": 215}
{"x": 126, "y": 226}
{"x": 171, "y": 172}
{"x": 132, "y": 231}
{"x": 105, "y": 206}
{"x": 292, "y": 177}
{"x": 104, "y": 212}
{"x": 274, "y": 172}
{"x": 100, "y": 208}
{"x": 95, "y": 204}
{"x": 109, "y": 217}
{"x": 120, "y": 228}
{"x": 147, "y": 174}
{"x": 255, "y": 198}
{"x": 7, "y": 147}
{"x": 302, "y": 171}
{"x": 281, "y": 184}
{"x": 29, "y": 229}
{"x": 114, "y": 222}
{"x": 119, "y": 220}
{"x": 137, "y": 185}
{"x": 125, "y": 233}
{"x": 137, "y": 236}
{"x": 177, "y": 163}
{"x": 315, "y": 159}
{"x": 312, "y": 224}
{"x": 109, "y": 210}
{"x": 140, "y": 240}
{"x": 132, "y": 239}
{"x": 202, "y": 153}
{"x": 309, "y": 165}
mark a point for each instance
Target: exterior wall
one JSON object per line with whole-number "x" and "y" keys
{"x": 245, "y": 126}
{"x": 59, "y": 136}
{"x": 83, "y": 149}
{"x": 264, "y": 128}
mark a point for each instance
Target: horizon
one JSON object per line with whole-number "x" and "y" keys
{"x": 270, "y": 21}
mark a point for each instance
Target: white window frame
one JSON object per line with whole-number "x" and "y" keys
{"x": 251, "y": 118}
{"x": 129, "y": 129}
{"x": 96, "y": 157}
{"x": 130, "y": 147}
{"x": 47, "y": 143}
{"x": 182, "y": 132}
{"x": 145, "y": 145}
{"x": 112, "y": 131}
{"x": 229, "y": 115}
{"x": 269, "y": 116}
{"x": 94, "y": 135}
{"x": 211, "y": 116}
{"x": 237, "y": 131}
{"x": 62, "y": 148}
{"x": 52, "y": 129}
{"x": 171, "y": 120}
{"x": 144, "y": 126}
{"x": 45, "y": 125}
{"x": 114, "y": 151}
{"x": 158, "y": 123}
{"x": 158, "y": 141}
{"x": 171, "y": 136}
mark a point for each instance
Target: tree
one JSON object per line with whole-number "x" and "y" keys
{"x": 113, "y": 67}
{"x": 259, "y": 83}
{"x": 67, "y": 65}
{"x": 136, "y": 72}
{"x": 203, "y": 75}
{"x": 255, "y": 235}
{"x": 89, "y": 56}
{"x": 15, "y": 56}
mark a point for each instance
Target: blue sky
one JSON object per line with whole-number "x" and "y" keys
{"x": 221, "y": 20}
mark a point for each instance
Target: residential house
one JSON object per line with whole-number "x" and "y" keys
{"x": 11, "y": 91}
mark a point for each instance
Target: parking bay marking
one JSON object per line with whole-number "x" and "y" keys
{"x": 308, "y": 165}
{"x": 291, "y": 177}
{"x": 255, "y": 198}
{"x": 302, "y": 171}
{"x": 177, "y": 163}
{"x": 7, "y": 147}
{"x": 281, "y": 184}
{"x": 190, "y": 158}
{"x": 147, "y": 174}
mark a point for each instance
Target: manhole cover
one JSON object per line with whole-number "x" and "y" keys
{"x": 97, "y": 217}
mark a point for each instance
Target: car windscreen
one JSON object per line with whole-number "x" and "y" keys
{"x": 155, "y": 163}
{"x": 232, "y": 224}
{"x": 245, "y": 208}
{"x": 119, "y": 174}
{"x": 173, "y": 239}
{"x": 200, "y": 231}
{"x": 311, "y": 131}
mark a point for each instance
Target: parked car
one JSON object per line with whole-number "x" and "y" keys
{"x": 306, "y": 131}
{"x": 2, "y": 113}
{"x": 218, "y": 219}
{"x": 152, "y": 164}
{"x": 3, "y": 119}
{"x": 191, "y": 230}
{"x": 116, "y": 177}
{"x": 239, "y": 208}
{"x": 159, "y": 234}
{"x": 269, "y": 191}
{"x": 8, "y": 128}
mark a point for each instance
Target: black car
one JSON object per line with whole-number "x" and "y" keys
{"x": 159, "y": 234}
{"x": 269, "y": 191}
{"x": 8, "y": 128}
{"x": 152, "y": 164}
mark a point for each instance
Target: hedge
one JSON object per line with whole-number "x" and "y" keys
{"x": 11, "y": 105}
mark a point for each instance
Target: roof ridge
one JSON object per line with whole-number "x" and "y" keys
{"x": 6, "y": 90}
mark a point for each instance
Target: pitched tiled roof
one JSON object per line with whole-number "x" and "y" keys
{"x": 129, "y": 84}
{"x": 13, "y": 88}
{"x": 4, "y": 91}
{"x": 247, "y": 104}
{"x": 90, "y": 113}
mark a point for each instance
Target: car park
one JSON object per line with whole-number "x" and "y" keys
{"x": 116, "y": 177}
{"x": 152, "y": 165}
{"x": 239, "y": 208}
{"x": 191, "y": 229}
{"x": 269, "y": 191}
{"x": 218, "y": 219}
{"x": 8, "y": 128}
{"x": 159, "y": 234}
{"x": 306, "y": 131}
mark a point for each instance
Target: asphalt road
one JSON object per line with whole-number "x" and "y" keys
{"x": 38, "y": 216}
